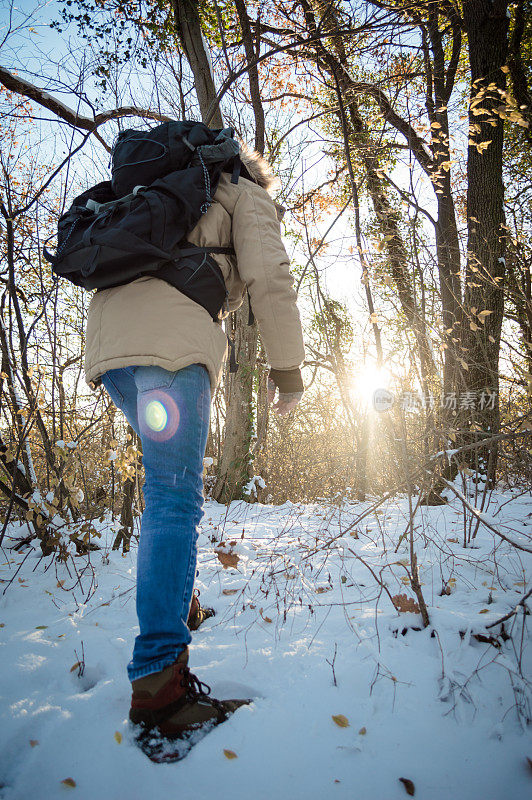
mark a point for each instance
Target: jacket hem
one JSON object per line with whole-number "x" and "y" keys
{"x": 171, "y": 364}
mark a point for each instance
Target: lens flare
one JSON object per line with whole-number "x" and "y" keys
{"x": 156, "y": 416}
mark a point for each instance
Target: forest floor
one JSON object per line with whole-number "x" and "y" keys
{"x": 306, "y": 629}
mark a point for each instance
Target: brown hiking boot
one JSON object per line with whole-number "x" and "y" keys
{"x": 173, "y": 703}
{"x": 197, "y": 614}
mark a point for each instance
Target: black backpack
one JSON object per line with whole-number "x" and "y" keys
{"x": 136, "y": 224}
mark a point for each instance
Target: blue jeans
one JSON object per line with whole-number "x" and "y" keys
{"x": 170, "y": 412}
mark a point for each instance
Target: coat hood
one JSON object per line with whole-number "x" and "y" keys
{"x": 258, "y": 168}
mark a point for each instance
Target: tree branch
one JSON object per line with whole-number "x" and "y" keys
{"x": 14, "y": 83}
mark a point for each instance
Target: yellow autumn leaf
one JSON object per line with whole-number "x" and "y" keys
{"x": 362, "y": 731}
{"x": 75, "y": 666}
{"x": 69, "y": 782}
{"x": 118, "y": 737}
{"x": 484, "y": 611}
{"x": 484, "y": 313}
{"x": 230, "y": 754}
{"x": 340, "y": 720}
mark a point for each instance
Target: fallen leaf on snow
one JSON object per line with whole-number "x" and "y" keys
{"x": 362, "y": 731}
{"x": 227, "y": 559}
{"x": 118, "y": 737}
{"x": 405, "y": 604}
{"x": 75, "y": 666}
{"x": 409, "y": 786}
{"x": 34, "y": 742}
{"x": 69, "y": 782}
{"x": 230, "y": 754}
{"x": 340, "y": 720}
{"x": 226, "y": 556}
{"x": 229, "y": 591}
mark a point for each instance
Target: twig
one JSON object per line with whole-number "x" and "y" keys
{"x": 479, "y": 516}
{"x": 331, "y": 664}
{"x": 511, "y": 613}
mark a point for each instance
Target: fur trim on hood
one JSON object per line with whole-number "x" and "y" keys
{"x": 258, "y": 168}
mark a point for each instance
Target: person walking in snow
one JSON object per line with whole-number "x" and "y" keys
{"x": 159, "y": 355}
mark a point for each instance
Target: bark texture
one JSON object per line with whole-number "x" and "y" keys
{"x": 487, "y": 31}
{"x": 234, "y": 467}
{"x": 186, "y": 14}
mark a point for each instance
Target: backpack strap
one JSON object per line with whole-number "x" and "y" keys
{"x": 237, "y": 166}
{"x": 251, "y": 315}
{"x": 192, "y": 250}
{"x": 233, "y": 363}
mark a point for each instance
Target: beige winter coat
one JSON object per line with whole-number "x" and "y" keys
{"x": 148, "y": 322}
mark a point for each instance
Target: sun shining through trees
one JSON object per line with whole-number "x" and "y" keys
{"x": 367, "y": 380}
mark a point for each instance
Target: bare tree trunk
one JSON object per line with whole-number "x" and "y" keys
{"x": 487, "y": 31}
{"x": 235, "y": 465}
{"x": 234, "y": 468}
{"x": 253, "y": 75}
{"x": 189, "y": 30}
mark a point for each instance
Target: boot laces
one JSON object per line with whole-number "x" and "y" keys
{"x": 195, "y": 688}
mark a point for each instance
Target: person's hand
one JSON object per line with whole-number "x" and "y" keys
{"x": 286, "y": 402}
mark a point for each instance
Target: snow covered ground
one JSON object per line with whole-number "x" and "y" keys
{"x": 304, "y": 628}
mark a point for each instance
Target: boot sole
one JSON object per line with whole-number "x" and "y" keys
{"x": 164, "y": 750}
